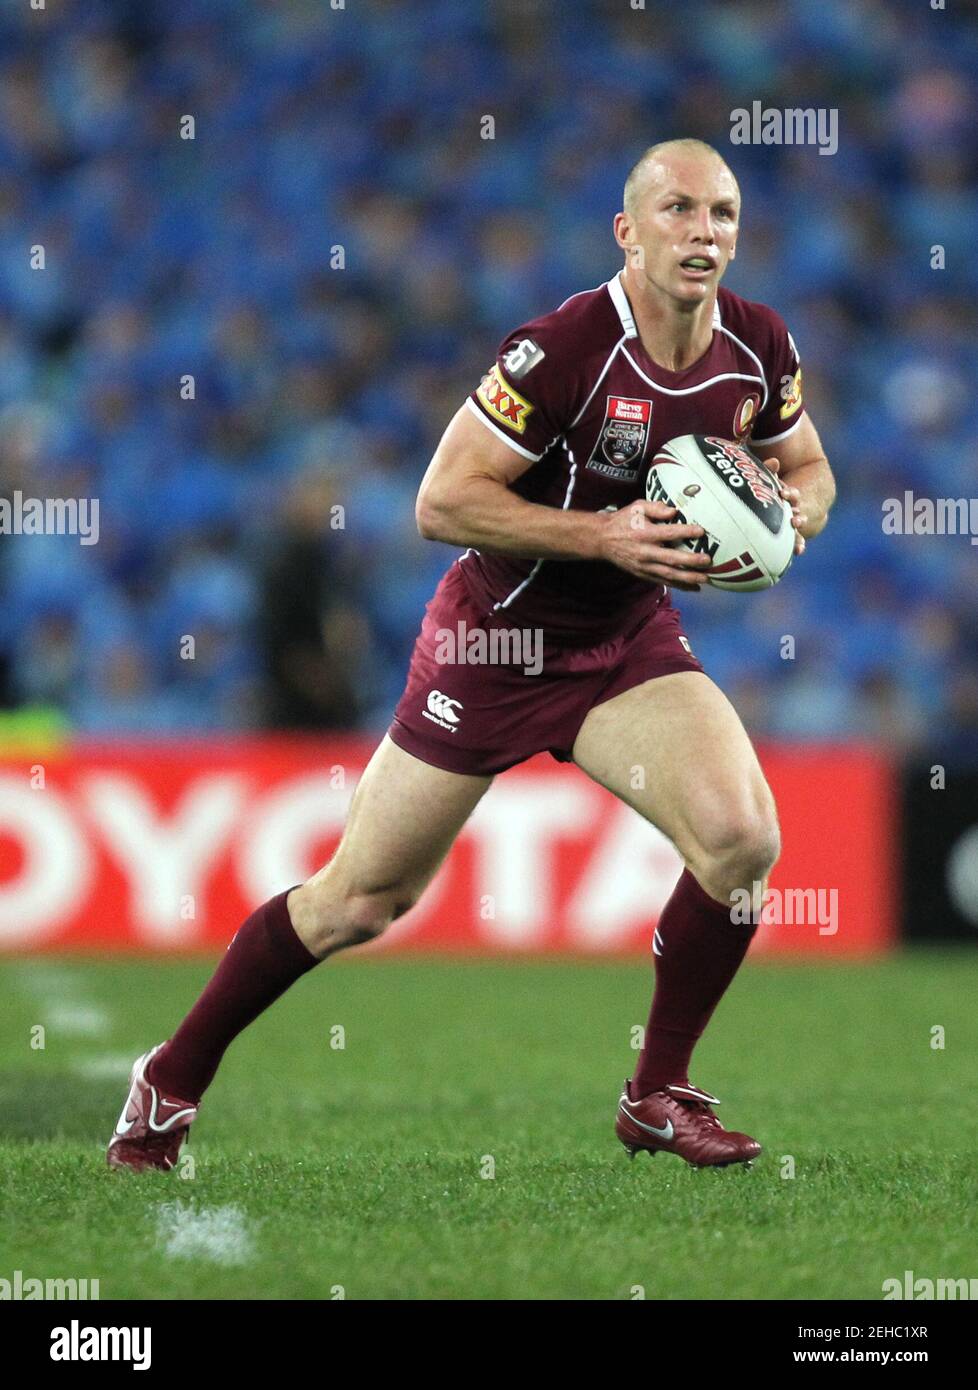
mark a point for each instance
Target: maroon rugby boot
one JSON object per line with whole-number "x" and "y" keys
{"x": 679, "y": 1120}
{"x": 152, "y": 1127}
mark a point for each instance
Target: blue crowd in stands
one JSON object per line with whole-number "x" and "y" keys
{"x": 250, "y": 327}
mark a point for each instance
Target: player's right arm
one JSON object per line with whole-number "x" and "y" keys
{"x": 466, "y": 499}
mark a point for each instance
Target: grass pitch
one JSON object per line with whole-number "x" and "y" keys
{"x": 460, "y": 1144}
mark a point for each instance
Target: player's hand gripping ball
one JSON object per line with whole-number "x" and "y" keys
{"x": 720, "y": 485}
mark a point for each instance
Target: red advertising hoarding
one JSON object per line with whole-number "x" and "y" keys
{"x": 166, "y": 847}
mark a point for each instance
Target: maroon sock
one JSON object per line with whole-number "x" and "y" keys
{"x": 698, "y": 950}
{"x": 264, "y": 958}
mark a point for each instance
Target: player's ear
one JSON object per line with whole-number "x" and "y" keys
{"x": 733, "y": 251}
{"x": 622, "y": 228}
{"x": 626, "y": 235}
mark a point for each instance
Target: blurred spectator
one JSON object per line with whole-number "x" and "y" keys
{"x": 313, "y": 638}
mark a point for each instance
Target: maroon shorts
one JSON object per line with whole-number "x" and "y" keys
{"x": 483, "y": 714}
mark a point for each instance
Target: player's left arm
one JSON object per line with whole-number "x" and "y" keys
{"x": 805, "y": 476}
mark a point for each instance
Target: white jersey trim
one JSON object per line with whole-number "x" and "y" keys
{"x": 777, "y": 438}
{"x": 688, "y": 390}
{"x": 535, "y": 458}
{"x": 620, "y": 300}
{"x": 750, "y": 353}
{"x": 573, "y": 475}
{"x": 569, "y": 493}
{"x": 601, "y": 376}
{"x": 505, "y": 602}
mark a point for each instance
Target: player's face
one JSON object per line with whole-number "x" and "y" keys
{"x": 687, "y": 227}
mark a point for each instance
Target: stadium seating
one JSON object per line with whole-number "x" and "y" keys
{"x": 216, "y": 257}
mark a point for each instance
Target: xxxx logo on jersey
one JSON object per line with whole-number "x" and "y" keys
{"x": 502, "y": 401}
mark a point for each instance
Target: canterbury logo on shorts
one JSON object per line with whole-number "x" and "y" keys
{"x": 441, "y": 710}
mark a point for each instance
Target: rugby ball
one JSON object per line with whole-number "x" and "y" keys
{"x": 720, "y": 485}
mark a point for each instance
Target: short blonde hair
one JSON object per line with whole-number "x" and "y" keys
{"x": 637, "y": 179}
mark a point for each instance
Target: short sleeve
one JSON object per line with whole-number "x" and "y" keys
{"x": 785, "y": 406}
{"x": 524, "y": 396}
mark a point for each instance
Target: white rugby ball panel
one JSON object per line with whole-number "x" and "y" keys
{"x": 738, "y": 563}
{"x": 720, "y": 485}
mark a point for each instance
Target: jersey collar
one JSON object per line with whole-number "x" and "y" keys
{"x": 620, "y": 300}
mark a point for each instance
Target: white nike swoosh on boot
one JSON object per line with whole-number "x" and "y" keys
{"x": 665, "y": 1133}
{"x": 190, "y": 1110}
{"x": 124, "y": 1126}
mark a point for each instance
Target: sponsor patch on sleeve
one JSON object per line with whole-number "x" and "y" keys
{"x": 502, "y": 401}
{"x": 790, "y": 394}
{"x": 522, "y": 358}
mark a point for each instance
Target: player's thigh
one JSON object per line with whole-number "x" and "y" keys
{"x": 674, "y": 748}
{"x": 403, "y": 818}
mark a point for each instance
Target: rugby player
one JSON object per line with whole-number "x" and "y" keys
{"x": 541, "y": 476}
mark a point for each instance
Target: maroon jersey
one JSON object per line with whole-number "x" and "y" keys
{"x": 575, "y": 393}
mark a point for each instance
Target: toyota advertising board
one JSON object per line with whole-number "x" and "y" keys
{"x": 167, "y": 847}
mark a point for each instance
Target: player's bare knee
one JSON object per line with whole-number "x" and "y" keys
{"x": 369, "y": 914}
{"x": 738, "y": 852}
{"x": 760, "y": 849}
{"x": 754, "y": 854}
{"x": 329, "y": 916}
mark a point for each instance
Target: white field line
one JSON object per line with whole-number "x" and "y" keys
{"x": 64, "y": 1004}
{"x": 104, "y": 1066}
{"x": 77, "y": 1020}
{"x": 218, "y": 1234}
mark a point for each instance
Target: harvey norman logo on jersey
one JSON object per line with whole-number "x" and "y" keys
{"x": 621, "y": 445}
